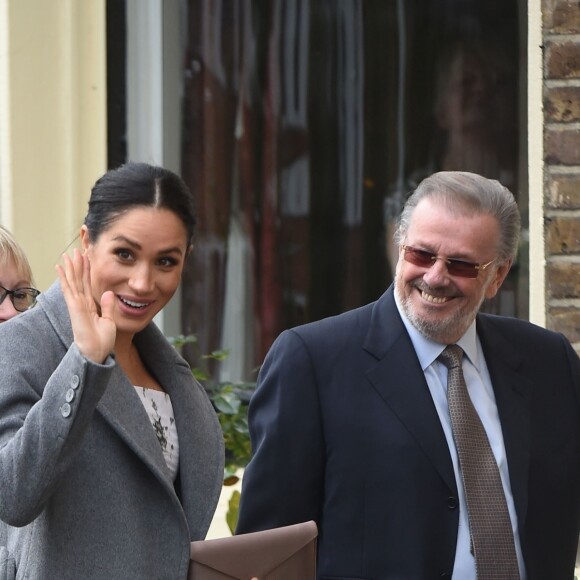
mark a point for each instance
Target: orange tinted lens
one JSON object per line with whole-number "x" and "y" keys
{"x": 419, "y": 257}
{"x": 462, "y": 269}
{"x": 425, "y": 259}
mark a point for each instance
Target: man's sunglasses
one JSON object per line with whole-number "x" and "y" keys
{"x": 455, "y": 267}
{"x": 22, "y": 298}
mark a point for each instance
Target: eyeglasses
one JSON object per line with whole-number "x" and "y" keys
{"x": 455, "y": 267}
{"x": 22, "y": 298}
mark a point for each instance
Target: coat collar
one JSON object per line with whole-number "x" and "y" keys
{"x": 197, "y": 427}
{"x": 53, "y": 303}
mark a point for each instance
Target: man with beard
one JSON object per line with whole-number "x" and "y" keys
{"x": 352, "y": 427}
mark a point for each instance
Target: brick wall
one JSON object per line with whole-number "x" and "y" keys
{"x": 561, "y": 23}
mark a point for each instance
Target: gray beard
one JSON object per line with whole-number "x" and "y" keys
{"x": 445, "y": 331}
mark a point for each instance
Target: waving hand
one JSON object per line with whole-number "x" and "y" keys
{"x": 94, "y": 332}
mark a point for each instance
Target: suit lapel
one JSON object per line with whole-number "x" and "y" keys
{"x": 400, "y": 381}
{"x": 513, "y": 394}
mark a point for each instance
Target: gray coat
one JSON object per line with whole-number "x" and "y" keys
{"x": 84, "y": 488}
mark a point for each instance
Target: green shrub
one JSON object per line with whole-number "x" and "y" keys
{"x": 230, "y": 400}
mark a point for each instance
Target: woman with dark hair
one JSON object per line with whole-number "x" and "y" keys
{"x": 111, "y": 455}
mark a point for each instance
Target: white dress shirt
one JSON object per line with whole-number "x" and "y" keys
{"x": 481, "y": 392}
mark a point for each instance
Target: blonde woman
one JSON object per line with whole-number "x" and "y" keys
{"x": 17, "y": 293}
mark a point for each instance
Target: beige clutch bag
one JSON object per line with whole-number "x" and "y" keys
{"x": 282, "y": 553}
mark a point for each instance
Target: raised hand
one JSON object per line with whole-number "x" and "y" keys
{"x": 94, "y": 332}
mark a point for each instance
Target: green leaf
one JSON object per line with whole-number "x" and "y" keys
{"x": 230, "y": 471}
{"x": 240, "y": 425}
{"x": 200, "y": 375}
{"x": 233, "y": 510}
{"x": 219, "y": 355}
{"x": 227, "y": 403}
{"x": 181, "y": 340}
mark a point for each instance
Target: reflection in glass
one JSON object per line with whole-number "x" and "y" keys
{"x": 306, "y": 124}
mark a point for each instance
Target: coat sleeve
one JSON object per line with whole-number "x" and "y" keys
{"x": 46, "y": 406}
{"x": 7, "y": 565}
{"x": 283, "y": 483}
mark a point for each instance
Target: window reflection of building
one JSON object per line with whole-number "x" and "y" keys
{"x": 474, "y": 128}
{"x": 475, "y": 112}
{"x": 476, "y": 122}
{"x": 289, "y": 130}
{"x": 279, "y": 104}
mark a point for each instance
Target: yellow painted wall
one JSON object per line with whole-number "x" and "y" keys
{"x": 53, "y": 131}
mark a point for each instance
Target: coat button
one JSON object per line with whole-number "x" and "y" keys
{"x": 70, "y": 395}
{"x": 75, "y": 381}
{"x": 451, "y": 503}
{"x": 65, "y": 410}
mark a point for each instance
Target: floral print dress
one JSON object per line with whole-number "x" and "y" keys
{"x": 160, "y": 411}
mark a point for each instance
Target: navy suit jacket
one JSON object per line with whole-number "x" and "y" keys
{"x": 345, "y": 432}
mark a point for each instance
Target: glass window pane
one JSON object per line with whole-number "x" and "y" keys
{"x": 306, "y": 125}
